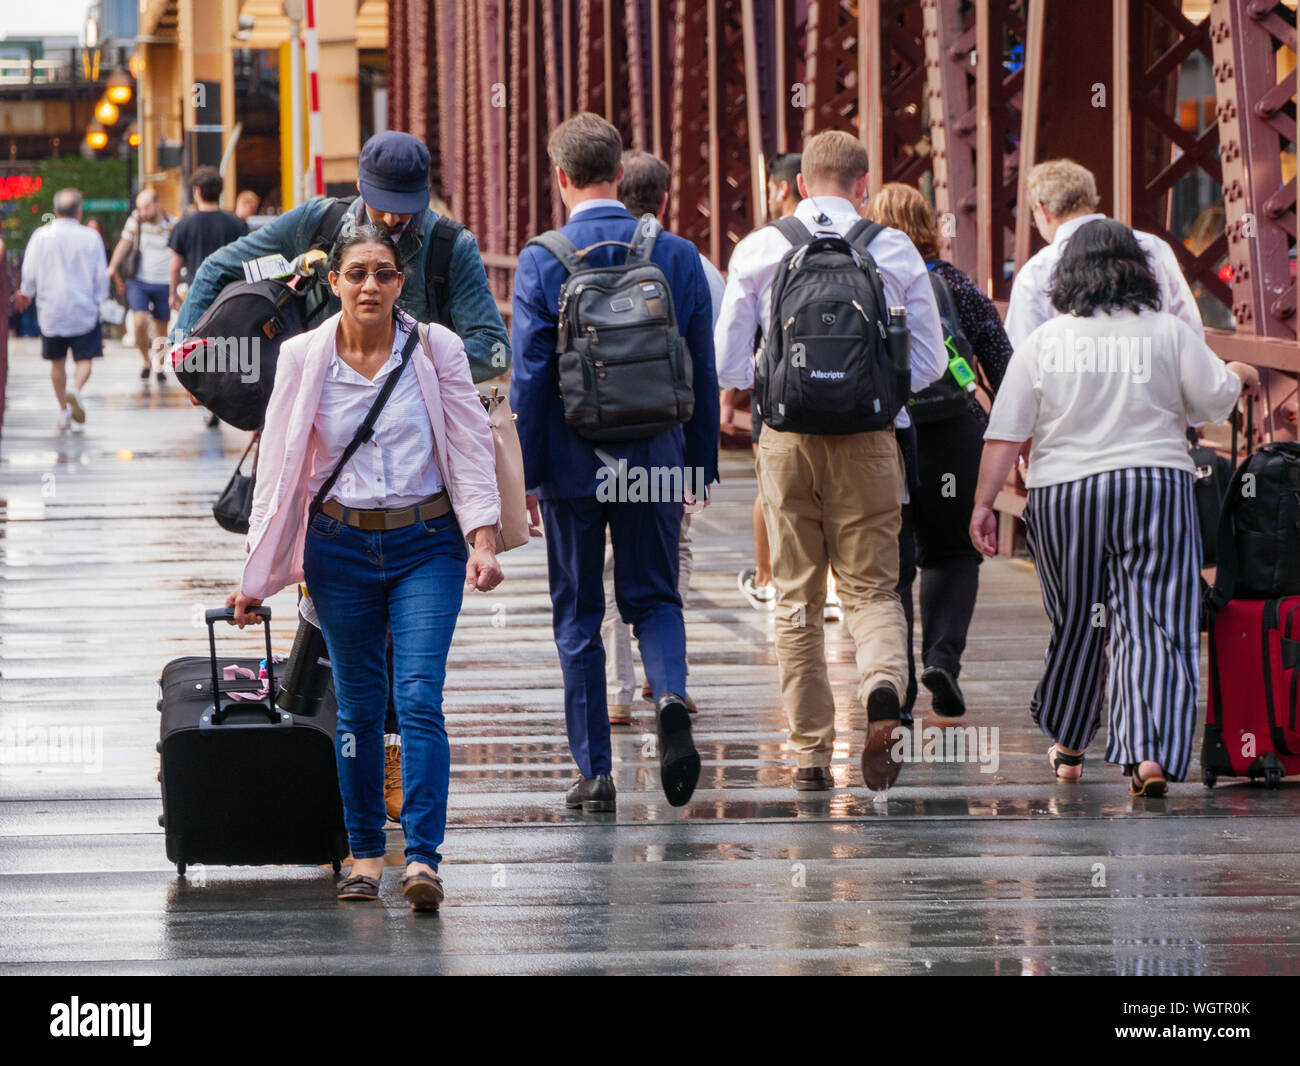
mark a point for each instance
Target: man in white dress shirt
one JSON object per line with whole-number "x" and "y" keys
{"x": 1063, "y": 197}
{"x": 65, "y": 272}
{"x": 833, "y": 499}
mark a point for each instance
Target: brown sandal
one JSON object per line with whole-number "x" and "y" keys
{"x": 422, "y": 890}
{"x": 1153, "y": 787}
{"x": 1057, "y": 758}
{"x": 359, "y": 887}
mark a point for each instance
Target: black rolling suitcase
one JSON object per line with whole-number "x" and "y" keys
{"x": 244, "y": 782}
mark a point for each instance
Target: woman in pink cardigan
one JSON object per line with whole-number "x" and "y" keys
{"x": 380, "y": 539}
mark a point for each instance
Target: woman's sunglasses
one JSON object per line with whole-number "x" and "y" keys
{"x": 358, "y": 275}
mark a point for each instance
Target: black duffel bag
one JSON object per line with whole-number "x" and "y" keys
{"x": 228, "y": 362}
{"x": 1259, "y": 530}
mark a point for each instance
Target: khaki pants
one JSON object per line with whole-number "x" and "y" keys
{"x": 836, "y": 500}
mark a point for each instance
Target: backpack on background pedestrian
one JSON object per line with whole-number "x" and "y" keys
{"x": 141, "y": 265}
{"x": 595, "y": 415}
{"x": 949, "y": 424}
{"x": 836, "y": 298}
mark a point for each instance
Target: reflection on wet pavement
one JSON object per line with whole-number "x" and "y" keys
{"x": 108, "y": 553}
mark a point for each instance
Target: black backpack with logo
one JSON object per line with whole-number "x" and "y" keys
{"x": 622, "y": 366}
{"x": 825, "y": 366}
{"x": 945, "y": 398}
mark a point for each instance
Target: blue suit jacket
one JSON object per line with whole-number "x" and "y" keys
{"x": 557, "y": 462}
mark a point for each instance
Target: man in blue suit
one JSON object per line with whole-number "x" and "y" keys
{"x": 565, "y": 470}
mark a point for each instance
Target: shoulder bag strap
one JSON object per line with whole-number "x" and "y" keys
{"x": 561, "y": 247}
{"x": 792, "y": 230}
{"x": 643, "y": 240}
{"x": 367, "y": 428}
{"x": 437, "y": 268}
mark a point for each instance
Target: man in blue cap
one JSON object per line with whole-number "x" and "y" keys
{"x": 445, "y": 280}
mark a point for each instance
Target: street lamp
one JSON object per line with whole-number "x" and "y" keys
{"x": 119, "y": 89}
{"x": 96, "y": 135}
{"x": 106, "y": 112}
{"x": 133, "y": 135}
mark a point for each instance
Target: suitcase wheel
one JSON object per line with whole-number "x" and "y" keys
{"x": 180, "y": 869}
{"x": 1209, "y": 778}
{"x": 162, "y": 819}
{"x": 1272, "y": 777}
{"x": 338, "y": 866}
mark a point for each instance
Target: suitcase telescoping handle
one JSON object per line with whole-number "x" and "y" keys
{"x": 227, "y": 614}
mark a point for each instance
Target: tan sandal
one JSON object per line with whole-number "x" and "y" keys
{"x": 1153, "y": 787}
{"x": 1058, "y": 758}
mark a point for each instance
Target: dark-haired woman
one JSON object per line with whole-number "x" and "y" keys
{"x": 387, "y": 548}
{"x": 949, "y": 436}
{"x": 1105, "y": 391}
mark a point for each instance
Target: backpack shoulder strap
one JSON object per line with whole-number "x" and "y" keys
{"x": 943, "y": 296}
{"x": 792, "y": 230}
{"x": 332, "y": 222}
{"x": 437, "y": 268}
{"x": 559, "y": 246}
{"x": 643, "y": 240}
{"x": 862, "y": 233}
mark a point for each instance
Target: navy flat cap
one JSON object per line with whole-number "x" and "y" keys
{"x": 393, "y": 173}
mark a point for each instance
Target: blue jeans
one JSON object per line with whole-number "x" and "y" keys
{"x": 363, "y": 583}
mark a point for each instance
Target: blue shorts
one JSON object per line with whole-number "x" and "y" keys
{"x": 141, "y": 296}
{"x": 86, "y": 346}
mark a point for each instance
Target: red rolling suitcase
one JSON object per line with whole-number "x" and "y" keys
{"x": 1251, "y": 726}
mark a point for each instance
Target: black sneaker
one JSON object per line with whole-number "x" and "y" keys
{"x": 679, "y": 762}
{"x": 948, "y": 700}
{"x": 162, "y": 378}
{"x": 592, "y": 794}
{"x": 144, "y": 374}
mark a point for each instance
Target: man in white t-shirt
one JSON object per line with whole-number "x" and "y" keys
{"x": 145, "y": 239}
{"x": 1063, "y": 197}
{"x": 63, "y": 274}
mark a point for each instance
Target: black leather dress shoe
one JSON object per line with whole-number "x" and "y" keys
{"x": 948, "y": 700}
{"x": 593, "y": 794}
{"x": 679, "y": 762}
{"x": 879, "y": 766}
{"x": 813, "y": 779}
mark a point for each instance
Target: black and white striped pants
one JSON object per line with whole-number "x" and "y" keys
{"x": 1118, "y": 558}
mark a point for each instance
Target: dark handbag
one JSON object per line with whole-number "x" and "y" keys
{"x": 129, "y": 265}
{"x": 235, "y": 504}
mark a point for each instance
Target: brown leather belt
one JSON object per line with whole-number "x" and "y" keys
{"x": 391, "y": 517}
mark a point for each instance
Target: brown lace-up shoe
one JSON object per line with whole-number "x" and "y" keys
{"x": 393, "y": 781}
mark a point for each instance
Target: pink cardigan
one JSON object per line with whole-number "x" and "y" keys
{"x": 462, "y": 439}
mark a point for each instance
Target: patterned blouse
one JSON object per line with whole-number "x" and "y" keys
{"x": 982, "y": 325}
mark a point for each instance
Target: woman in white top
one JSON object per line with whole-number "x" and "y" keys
{"x": 385, "y": 545}
{"x": 1105, "y": 392}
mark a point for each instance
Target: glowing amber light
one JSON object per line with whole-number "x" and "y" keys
{"x": 96, "y": 138}
{"x": 119, "y": 88}
{"x": 106, "y": 111}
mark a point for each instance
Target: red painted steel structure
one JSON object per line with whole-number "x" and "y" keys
{"x": 956, "y": 95}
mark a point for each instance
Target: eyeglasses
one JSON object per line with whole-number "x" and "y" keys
{"x": 384, "y": 275}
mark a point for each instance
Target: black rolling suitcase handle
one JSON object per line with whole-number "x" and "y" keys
{"x": 227, "y": 614}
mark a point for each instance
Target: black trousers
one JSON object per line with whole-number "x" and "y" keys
{"x": 936, "y": 538}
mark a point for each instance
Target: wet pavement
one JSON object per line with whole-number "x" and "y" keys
{"x": 108, "y": 554}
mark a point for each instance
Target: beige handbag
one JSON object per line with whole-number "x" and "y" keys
{"x": 510, "y": 472}
{"x": 509, "y": 462}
